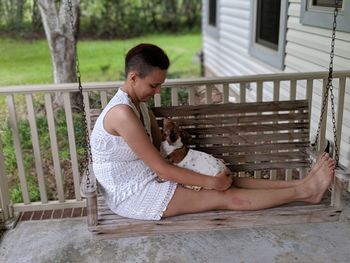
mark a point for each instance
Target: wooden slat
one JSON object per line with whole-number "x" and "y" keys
{"x": 4, "y": 187}
{"x": 242, "y": 119}
{"x": 209, "y": 94}
{"x": 293, "y": 89}
{"x": 235, "y": 159}
{"x": 54, "y": 147}
{"x": 18, "y": 149}
{"x": 276, "y": 90}
{"x": 72, "y": 147}
{"x": 174, "y": 97}
{"x": 253, "y": 147}
{"x": 191, "y": 96}
{"x": 36, "y": 147}
{"x": 225, "y": 93}
{"x": 259, "y": 98}
{"x": 309, "y": 94}
{"x": 276, "y": 97}
{"x": 117, "y": 227}
{"x": 259, "y": 91}
{"x": 267, "y": 166}
{"x": 242, "y": 93}
{"x": 340, "y": 110}
{"x": 234, "y": 139}
{"x": 104, "y": 99}
{"x": 87, "y": 110}
{"x": 197, "y": 110}
{"x": 157, "y": 100}
{"x": 322, "y": 135}
{"x": 246, "y": 128}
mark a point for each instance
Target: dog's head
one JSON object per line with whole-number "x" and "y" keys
{"x": 171, "y": 131}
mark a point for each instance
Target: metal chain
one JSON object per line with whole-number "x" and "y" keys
{"x": 83, "y": 166}
{"x": 329, "y": 89}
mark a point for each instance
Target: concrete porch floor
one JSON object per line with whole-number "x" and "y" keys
{"x": 68, "y": 240}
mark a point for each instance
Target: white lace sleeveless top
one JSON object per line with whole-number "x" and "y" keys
{"x": 117, "y": 168}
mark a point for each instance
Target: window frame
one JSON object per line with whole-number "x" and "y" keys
{"x": 323, "y": 16}
{"x": 269, "y": 55}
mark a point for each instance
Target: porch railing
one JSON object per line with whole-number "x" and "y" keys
{"x": 26, "y": 103}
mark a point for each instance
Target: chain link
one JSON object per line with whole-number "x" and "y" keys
{"x": 329, "y": 90}
{"x": 87, "y": 157}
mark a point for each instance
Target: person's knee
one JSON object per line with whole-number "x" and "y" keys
{"x": 235, "y": 200}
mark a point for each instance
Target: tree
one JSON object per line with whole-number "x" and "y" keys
{"x": 62, "y": 41}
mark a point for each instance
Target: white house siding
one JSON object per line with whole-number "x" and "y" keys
{"x": 306, "y": 49}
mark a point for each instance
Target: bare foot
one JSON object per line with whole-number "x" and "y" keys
{"x": 317, "y": 184}
{"x": 318, "y": 164}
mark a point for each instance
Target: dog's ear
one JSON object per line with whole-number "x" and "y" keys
{"x": 185, "y": 136}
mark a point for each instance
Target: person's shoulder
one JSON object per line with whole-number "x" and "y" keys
{"x": 120, "y": 110}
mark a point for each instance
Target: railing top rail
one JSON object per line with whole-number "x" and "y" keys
{"x": 71, "y": 87}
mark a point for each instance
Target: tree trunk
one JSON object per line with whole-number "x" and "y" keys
{"x": 61, "y": 39}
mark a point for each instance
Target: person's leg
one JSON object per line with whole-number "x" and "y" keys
{"x": 311, "y": 191}
{"x": 253, "y": 183}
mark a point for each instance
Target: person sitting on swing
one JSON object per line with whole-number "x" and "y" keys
{"x": 127, "y": 162}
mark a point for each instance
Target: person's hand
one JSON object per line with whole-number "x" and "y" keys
{"x": 223, "y": 180}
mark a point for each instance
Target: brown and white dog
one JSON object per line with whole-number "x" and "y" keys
{"x": 177, "y": 153}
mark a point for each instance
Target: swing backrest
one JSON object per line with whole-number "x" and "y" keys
{"x": 248, "y": 136}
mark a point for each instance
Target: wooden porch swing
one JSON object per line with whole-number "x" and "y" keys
{"x": 253, "y": 139}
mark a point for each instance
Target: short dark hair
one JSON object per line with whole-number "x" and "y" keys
{"x": 144, "y": 58}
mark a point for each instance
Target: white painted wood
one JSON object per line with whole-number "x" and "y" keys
{"x": 309, "y": 92}
{"x": 293, "y": 89}
{"x": 36, "y": 147}
{"x": 51, "y": 205}
{"x": 72, "y": 145}
{"x": 208, "y": 94}
{"x": 191, "y": 95}
{"x": 259, "y": 91}
{"x": 54, "y": 147}
{"x": 293, "y": 23}
{"x": 259, "y": 98}
{"x": 157, "y": 100}
{"x": 294, "y": 9}
{"x": 104, "y": 99}
{"x": 315, "y": 56}
{"x": 292, "y": 96}
{"x": 174, "y": 97}
{"x": 322, "y": 136}
{"x": 242, "y": 92}
{"x": 225, "y": 93}
{"x": 87, "y": 110}
{"x": 18, "y": 149}
{"x": 340, "y": 110}
{"x": 276, "y": 97}
{"x": 319, "y": 42}
{"x": 4, "y": 187}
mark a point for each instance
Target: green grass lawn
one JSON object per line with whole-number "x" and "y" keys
{"x": 28, "y": 62}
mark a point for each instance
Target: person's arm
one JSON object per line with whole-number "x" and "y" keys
{"x": 156, "y": 134}
{"x": 121, "y": 120}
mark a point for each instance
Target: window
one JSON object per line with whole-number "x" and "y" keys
{"x": 327, "y": 3}
{"x": 320, "y": 13}
{"x": 211, "y": 24}
{"x": 268, "y": 23}
{"x": 268, "y": 27}
{"x": 212, "y": 13}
